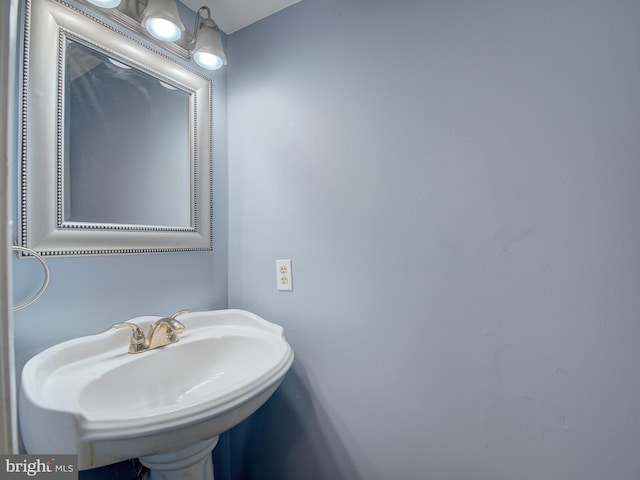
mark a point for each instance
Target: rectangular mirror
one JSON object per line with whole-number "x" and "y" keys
{"x": 116, "y": 141}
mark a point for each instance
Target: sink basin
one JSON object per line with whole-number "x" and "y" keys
{"x": 90, "y": 397}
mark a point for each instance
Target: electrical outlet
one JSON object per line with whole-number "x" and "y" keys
{"x": 283, "y": 274}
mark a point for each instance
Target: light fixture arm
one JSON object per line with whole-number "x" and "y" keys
{"x": 207, "y": 21}
{"x": 197, "y": 25}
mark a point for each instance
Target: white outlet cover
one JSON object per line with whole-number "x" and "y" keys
{"x": 283, "y": 275}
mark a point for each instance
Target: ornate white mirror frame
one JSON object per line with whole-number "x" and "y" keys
{"x": 45, "y": 225}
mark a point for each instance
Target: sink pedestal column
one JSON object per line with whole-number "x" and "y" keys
{"x": 193, "y": 463}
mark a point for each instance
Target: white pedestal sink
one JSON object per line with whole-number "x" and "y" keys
{"x": 90, "y": 397}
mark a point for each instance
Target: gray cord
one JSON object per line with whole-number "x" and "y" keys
{"x": 46, "y": 275}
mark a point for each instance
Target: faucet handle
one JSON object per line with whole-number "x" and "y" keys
{"x": 177, "y": 326}
{"x": 137, "y": 336}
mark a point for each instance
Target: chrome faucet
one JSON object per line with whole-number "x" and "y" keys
{"x": 161, "y": 333}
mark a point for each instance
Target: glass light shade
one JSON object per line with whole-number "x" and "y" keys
{"x": 208, "y": 51}
{"x": 105, "y": 3}
{"x": 208, "y": 60}
{"x": 163, "y": 29}
{"x": 162, "y": 21}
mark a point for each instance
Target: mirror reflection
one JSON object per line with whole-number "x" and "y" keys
{"x": 127, "y": 156}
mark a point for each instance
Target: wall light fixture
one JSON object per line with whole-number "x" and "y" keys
{"x": 161, "y": 20}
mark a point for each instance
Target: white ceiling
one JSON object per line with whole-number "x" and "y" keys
{"x": 232, "y": 15}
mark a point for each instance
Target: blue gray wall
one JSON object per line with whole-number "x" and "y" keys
{"x": 457, "y": 184}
